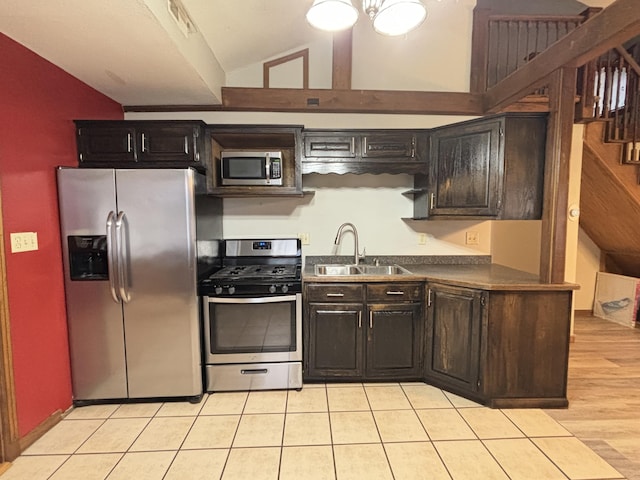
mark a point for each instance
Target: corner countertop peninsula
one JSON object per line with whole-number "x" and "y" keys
{"x": 462, "y": 271}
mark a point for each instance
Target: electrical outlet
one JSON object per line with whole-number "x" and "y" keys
{"x": 422, "y": 239}
{"x": 24, "y": 242}
{"x": 305, "y": 238}
{"x": 472, "y": 238}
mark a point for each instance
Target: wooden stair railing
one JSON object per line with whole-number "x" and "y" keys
{"x": 616, "y": 80}
{"x": 503, "y": 43}
{"x": 608, "y": 87}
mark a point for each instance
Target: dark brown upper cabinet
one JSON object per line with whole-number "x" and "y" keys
{"x": 364, "y": 151}
{"x": 491, "y": 167}
{"x": 140, "y": 144}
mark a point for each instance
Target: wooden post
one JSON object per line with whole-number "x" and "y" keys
{"x": 479, "y": 50}
{"x": 562, "y": 86}
{"x": 341, "y": 67}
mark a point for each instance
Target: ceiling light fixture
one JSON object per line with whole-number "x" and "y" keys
{"x": 389, "y": 17}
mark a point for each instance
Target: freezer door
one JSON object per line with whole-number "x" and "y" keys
{"x": 158, "y": 238}
{"x": 96, "y": 333}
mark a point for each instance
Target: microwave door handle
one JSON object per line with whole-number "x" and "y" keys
{"x": 121, "y": 250}
{"x": 112, "y": 271}
{"x": 267, "y": 166}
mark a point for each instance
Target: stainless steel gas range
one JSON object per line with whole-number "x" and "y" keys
{"x": 253, "y": 316}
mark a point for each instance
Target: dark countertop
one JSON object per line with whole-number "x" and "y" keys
{"x": 482, "y": 276}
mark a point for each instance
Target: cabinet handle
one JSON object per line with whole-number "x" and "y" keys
{"x": 394, "y": 292}
{"x": 128, "y": 143}
{"x": 429, "y": 298}
{"x": 360, "y": 319}
{"x": 432, "y": 201}
{"x": 186, "y": 145}
{"x": 335, "y": 294}
{"x": 353, "y": 146}
{"x": 370, "y": 319}
{"x": 144, "y": 138}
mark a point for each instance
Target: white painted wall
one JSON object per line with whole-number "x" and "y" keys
{"x": 587, "y": 266}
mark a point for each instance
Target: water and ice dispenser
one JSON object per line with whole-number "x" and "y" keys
{"x": 88, "y": 257}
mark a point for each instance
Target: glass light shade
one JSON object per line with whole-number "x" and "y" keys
{"x": 332, "y": 15}
{"x": 397, "y": 17}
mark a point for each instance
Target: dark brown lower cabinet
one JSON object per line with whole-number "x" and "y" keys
{"x": 363, "y": 341}
{"x": 336, "y": 345}
{"x": 501, "y": 348}
{"x": 393, "y": 341}
{"x": 453, "y": 336}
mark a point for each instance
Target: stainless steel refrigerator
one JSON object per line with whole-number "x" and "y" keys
{"x": 130, "y": 263}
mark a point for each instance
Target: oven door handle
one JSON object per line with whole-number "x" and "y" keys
{"x": 276, "y": 299}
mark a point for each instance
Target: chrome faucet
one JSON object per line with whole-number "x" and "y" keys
{"x": 356, "y": 254}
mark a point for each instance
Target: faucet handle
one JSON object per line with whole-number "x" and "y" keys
{"x": 363, "y": 255}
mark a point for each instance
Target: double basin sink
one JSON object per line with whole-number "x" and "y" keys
{"x": 346, "y": 270}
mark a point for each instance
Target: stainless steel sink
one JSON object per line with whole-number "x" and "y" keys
{"x": 342, "y": 270}
{"x": 337, "y": 269}
{"x": 383, "y": 270}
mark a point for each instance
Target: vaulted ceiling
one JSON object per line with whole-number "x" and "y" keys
{"x": 133, "y": 52}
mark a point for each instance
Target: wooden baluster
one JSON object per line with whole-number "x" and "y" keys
{"x": 618, "y": 103}
{"x": 608, "y": 87}
{"x": 599, "y": 91}
{"x": 512, "y": 54}
{"x": 492, "y": 68}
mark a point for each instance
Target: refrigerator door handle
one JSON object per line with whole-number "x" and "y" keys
{"x": 121, "y": 253}
{"x": 111, "y": 254}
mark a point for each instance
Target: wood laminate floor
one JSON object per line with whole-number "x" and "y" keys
{"x": 604, "y": 392}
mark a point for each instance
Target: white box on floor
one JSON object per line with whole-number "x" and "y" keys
{"x": 617, "y": 298}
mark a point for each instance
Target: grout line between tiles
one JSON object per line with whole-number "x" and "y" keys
{"x": 284, "y": 426}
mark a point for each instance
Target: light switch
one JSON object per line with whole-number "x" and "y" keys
{"x": 24, "y": 242}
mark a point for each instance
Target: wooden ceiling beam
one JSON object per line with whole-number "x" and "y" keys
{"x": 351, "y": 101}
{"x": 613, "y": 26}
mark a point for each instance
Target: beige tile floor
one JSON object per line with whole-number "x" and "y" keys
{"x": 337, "y": 431}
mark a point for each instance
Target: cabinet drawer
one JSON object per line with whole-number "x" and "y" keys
{"x": 399, "y": 292}
{"x": 339, "y": 292}
{"x": 330, "y": 146}
{"x": 389, "y": 146}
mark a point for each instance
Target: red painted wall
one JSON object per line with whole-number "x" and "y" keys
{"x": 38, "y": 103}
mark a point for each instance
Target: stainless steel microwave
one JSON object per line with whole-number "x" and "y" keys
{"x": 251, "y": 168}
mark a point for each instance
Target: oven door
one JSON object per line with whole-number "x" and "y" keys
{"x": 251, "y": 330}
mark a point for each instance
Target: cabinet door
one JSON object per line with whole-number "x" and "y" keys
{"x": 453, "y": 336}
{"x": 394, "y": 338}
{"x": 466, "y": 168}
{"x": 111, "y": 146}
{"x": 170, "y": 144}
{"x": 335, "y": 347}
{"x": 386, "y": 146}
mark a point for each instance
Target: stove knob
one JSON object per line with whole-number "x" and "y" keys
{"x": 232, "y": 290}
{"x": 218, "y": 290}
{"x": 272, "y": 289}
{"x": 285, "y": 288}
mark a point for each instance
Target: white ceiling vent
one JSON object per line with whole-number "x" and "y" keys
{"x": 181, "y": 17}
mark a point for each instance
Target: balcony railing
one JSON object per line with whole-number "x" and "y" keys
{"x": 504, "y": 43}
